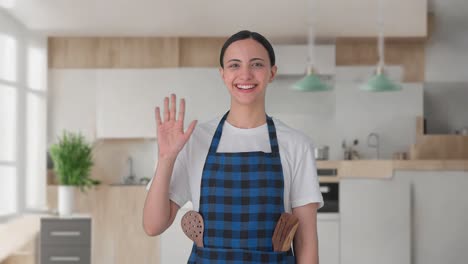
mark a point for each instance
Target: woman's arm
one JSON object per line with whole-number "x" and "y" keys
{"x": 305, "y": 240}
{"x": 159, "y": 212}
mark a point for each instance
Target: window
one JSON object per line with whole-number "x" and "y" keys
{"x": 23, "y": 102}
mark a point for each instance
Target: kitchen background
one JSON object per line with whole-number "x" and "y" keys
{"x": 328, "y": 118}
{"x": 106, "y": 86}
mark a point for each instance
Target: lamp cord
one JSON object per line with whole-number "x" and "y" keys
{"x": 380, "y": 23}
{"x": 311, "y": 35}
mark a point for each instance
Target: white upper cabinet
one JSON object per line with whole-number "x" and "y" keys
{"x": 126, "y": 99}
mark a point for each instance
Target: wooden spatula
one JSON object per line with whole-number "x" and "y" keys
{"x": 192, "y": 225}
{"x": 284, "y": 232}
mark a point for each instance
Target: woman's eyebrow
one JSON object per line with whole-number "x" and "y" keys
{"x": 236, "y": 60}
{"x": 257, "y": 59}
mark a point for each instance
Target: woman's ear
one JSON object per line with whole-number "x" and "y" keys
{"x": 221, "y": 72}
{"x": 273, "y": 71}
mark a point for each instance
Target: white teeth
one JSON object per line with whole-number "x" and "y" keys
{"x": 245, "y": 87}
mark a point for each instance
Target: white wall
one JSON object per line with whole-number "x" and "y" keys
{"x": 445, "y": 107}
{"x": 446, "y": 87}
{"x": 446, "y": 52}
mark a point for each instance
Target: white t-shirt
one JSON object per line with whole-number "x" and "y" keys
{"x": 301, "y": 184}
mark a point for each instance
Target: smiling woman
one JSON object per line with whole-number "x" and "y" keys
{"x": 243, "y": 171}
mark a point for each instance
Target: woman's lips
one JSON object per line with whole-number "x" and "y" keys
{"x": 245, "y": 87}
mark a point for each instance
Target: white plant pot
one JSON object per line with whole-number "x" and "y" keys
{"x": 66, "y": 200}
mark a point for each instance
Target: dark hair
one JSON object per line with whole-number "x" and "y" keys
{"x": 245, "y": 34}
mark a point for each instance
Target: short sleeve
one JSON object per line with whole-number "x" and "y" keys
{"x": 179, "y": 190}
{"x": 305, "y": 187}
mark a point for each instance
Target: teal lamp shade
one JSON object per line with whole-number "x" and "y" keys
{"x": 311, "y": 83}
{"x": 380, "y": 83}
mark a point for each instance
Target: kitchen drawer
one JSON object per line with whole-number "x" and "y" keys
{"x": 66, "y": 255}
{"x": 65, "y": 231}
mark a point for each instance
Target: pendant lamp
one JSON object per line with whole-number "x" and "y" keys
{"x": 311, "y": 82}
{"x": 379, "y": 82}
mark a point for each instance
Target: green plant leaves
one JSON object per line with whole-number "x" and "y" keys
{"x": 72, "y": 157}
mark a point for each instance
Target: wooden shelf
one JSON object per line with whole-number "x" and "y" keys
{"x": 437, "y": 147}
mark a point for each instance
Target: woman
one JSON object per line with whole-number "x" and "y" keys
{"x": 240, "y": 171}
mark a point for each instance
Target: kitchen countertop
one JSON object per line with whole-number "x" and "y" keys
{"x": 385, "y": 168}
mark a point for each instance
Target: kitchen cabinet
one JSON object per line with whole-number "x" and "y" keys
{"x": 113, "y": 52}
{"x": 118, "y": 236}
{"x": 65, "y": 240}
{"x": 126, "y": 99}
{"x": 328, "y": 231}
{"x": 175, "y": 246}
{"x": 375, "y": 221}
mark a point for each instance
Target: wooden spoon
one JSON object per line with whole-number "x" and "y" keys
{"x": 284, "y": 232}
{"x": 192, "y": 225}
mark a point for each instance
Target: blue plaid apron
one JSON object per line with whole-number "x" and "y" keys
{"x": 241, "y": 200}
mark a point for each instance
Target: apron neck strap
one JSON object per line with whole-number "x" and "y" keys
{"x": 219, "y": 130}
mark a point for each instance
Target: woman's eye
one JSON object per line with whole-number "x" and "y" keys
{"x": 257, "y": 64}
{"x": 233, "y": 66}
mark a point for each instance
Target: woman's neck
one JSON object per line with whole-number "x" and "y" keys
{"x": 246, "y": 117}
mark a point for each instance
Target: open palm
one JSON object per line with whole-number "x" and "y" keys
{"x": 170, "y": 131}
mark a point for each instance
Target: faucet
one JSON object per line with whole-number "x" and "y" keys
{"x": 130, "y": 179}
{"x": 373, "y": 142}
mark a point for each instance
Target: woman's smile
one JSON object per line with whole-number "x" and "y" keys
{"x": 246, "y": 88}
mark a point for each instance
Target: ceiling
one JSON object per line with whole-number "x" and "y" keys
{"x": 273, "y": 18}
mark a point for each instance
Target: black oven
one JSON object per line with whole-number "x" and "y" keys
{"x": 330, "y": 193}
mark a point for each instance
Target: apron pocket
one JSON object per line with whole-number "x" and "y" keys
{"x": 234, "y": 256}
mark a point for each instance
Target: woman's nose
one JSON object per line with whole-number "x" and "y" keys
{"x": 246, "y": 73}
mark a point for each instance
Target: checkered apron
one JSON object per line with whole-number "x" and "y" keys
{"x": 241, "y": 201}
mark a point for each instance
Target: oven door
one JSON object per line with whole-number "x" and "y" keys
{"x": 330, "y": 193}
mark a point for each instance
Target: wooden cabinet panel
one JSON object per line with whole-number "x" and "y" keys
{"x": 410, "y": 53}
{"x": 113, "y": 52}
{"x": 72, "y": 52}
{"x": 200, "y": 52}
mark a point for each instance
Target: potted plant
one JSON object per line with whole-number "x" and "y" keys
{"x": 72, "y": 158}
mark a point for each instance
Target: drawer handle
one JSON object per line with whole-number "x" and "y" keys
{"x": 59, "y": 258}
{"x": 65, "y": 233}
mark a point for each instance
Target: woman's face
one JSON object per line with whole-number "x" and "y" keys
{"x": 247, "y": 72}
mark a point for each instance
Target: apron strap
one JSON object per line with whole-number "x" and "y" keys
{"x": 271, "y": 134}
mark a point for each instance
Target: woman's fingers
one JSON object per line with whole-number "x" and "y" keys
{"x": 181, "y": 110}
{"x": 158, "y": 116}
{"x": 172, "y": 112}
{"x": 166, "y": 109}
{"x": 190, "y": 129}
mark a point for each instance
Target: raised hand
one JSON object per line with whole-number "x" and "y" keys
{"x": 170, "y": 131}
